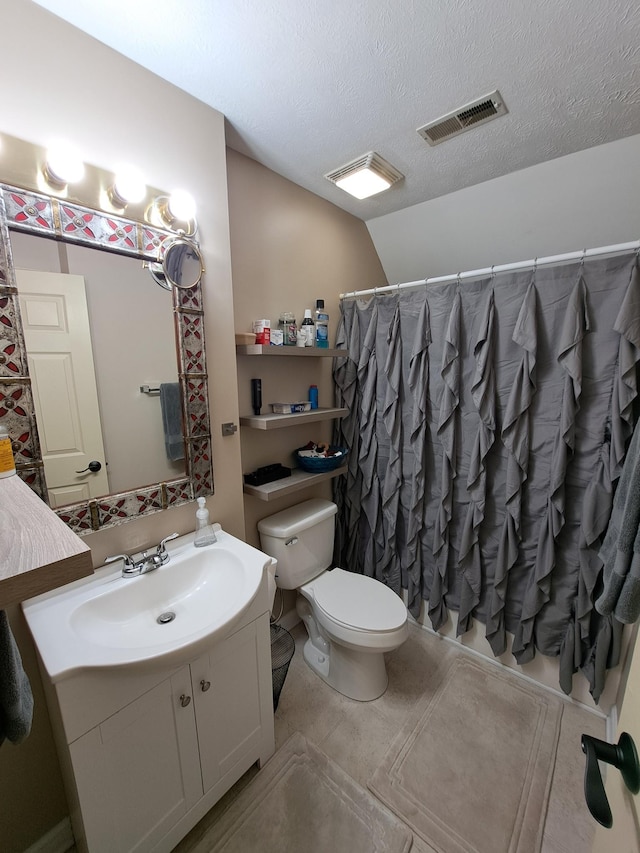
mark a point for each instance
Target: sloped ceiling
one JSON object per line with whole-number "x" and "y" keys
{"x": 308, "y": 86}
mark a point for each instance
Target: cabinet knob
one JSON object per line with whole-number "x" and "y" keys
{"x": 184, "y": 700}
{"x": 205, "y": 685}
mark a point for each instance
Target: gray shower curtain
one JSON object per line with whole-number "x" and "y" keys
{"x": 488, "y": 423}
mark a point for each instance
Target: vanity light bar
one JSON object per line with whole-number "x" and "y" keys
{"x": 59, "y": 171}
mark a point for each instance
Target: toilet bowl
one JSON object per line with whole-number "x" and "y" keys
{"x": 351, "y": 619}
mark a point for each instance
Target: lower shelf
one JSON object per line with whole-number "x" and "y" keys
{"x": 298, "y": 480}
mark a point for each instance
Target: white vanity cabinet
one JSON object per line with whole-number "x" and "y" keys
{"x": 137, "y": 773}
{"x": 229, "y": 683}
{"x": 143, "y": 776}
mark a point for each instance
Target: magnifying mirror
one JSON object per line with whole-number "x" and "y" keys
{"x": 182, "y": 265}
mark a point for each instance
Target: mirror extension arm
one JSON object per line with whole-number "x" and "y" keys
{"x": 624, "y": 757}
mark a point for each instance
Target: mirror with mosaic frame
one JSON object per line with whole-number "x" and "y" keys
{"x": 54, "y": 218}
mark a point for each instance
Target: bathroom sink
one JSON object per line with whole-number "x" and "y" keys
{"x": 164, "y": 617}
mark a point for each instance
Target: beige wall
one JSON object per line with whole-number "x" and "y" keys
{"x": 288, "y": 248}
{"x": 58, "y": 82}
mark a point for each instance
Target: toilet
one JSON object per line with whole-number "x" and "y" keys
{"x": 351, "y": 619}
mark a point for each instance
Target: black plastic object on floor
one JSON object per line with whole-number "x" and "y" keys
{"x": 282, "y": 648}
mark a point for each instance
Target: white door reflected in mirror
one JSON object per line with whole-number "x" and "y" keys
{"x": 131, "y": 334}
{"x": 56, "y": 328}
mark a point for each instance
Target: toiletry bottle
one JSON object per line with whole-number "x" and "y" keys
{"x": 7, "y": 465}
{"x": 308, "y": 327}
{"x": 322, "y": 325}
{"x": 313, "y": 396}
{"x": 287, "y": 323}
{"x": 205, "y": 534}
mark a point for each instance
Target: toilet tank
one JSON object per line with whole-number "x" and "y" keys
{"x": 301, "y": 539}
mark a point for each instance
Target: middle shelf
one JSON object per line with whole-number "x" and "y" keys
{"x": 298, "y": 480}
{"x": 280, "y": 421}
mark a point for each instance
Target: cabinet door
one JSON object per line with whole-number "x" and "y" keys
{"x": 234, "y": 710}
{"x": 138, "y": 772}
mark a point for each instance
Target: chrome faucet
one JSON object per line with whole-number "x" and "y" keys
{"x": 146, "y": 562}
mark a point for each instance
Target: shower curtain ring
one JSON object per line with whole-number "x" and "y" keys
{"x": 584, "y": 253}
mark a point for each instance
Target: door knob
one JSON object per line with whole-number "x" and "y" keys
{"x": 624, "y": 757}
{"x": 185, "y": 700}
{"x": 205, "y": 685}
{"x": 93, "y": 466}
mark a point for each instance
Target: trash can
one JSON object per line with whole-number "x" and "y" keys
{"x": 282, "y": 648}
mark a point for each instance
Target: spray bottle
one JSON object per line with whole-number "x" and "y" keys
{"x": 205, "y": 534}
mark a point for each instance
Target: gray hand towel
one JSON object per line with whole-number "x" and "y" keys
{"x": 16, "y": 699}
{"x": 171, "y": 405}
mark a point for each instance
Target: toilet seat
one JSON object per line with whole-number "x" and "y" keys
{"x": 356, "y": 603}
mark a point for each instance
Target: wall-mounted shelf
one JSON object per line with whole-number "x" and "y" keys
{"x": 298, "y": 480}
{"x": 296, "y": 352}
{"x": 280, "y": 421}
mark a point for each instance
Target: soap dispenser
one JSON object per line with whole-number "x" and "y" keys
{"x": 205, "y": 534}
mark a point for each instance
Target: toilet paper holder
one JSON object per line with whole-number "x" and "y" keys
{"x": 624, "y": 757}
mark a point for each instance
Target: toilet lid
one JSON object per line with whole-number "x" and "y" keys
{"x": 358, "y": 601}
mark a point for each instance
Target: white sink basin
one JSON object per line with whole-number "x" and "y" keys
{"x": 163, "y": 617}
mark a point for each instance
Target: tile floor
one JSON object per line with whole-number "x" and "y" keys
{"x": 356, "y": 735}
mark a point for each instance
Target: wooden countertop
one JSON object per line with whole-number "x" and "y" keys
{"x": 38, "y": 552}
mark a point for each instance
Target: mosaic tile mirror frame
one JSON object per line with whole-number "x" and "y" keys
{"x": 47, "y": 216}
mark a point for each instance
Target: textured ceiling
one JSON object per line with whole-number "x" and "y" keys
{"x": 309, "y": 86}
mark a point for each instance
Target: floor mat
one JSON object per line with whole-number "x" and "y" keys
{"x": 471, "y": 769}
{"x": 303, "y": 801}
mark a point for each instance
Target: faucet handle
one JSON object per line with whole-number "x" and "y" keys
{"x": 167, "y": 539}
{"x": 128, "y": 562}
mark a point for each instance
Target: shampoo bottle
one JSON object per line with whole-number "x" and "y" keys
{"x": 308, "y": 327}
{"x": 205, "y": 534}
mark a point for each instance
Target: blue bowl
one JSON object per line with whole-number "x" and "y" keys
{"x": 319, "y": 464}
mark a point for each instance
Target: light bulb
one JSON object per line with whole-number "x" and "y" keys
{"x": 182, "y": 206}
{"x": 64, "y": 164}
{"x": 128, "y": 186}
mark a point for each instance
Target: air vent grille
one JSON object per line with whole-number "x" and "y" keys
{"x": 470, "y": 115}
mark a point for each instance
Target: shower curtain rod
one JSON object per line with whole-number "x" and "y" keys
{"x": 616, "y": 249}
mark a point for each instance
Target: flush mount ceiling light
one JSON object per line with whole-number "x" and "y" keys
{"x": 366, "y": 176}
{"x": 128, "y": 187}
{"x": 63, "y": 165}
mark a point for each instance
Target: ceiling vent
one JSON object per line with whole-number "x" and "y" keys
{"x": 465, "y": 118}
